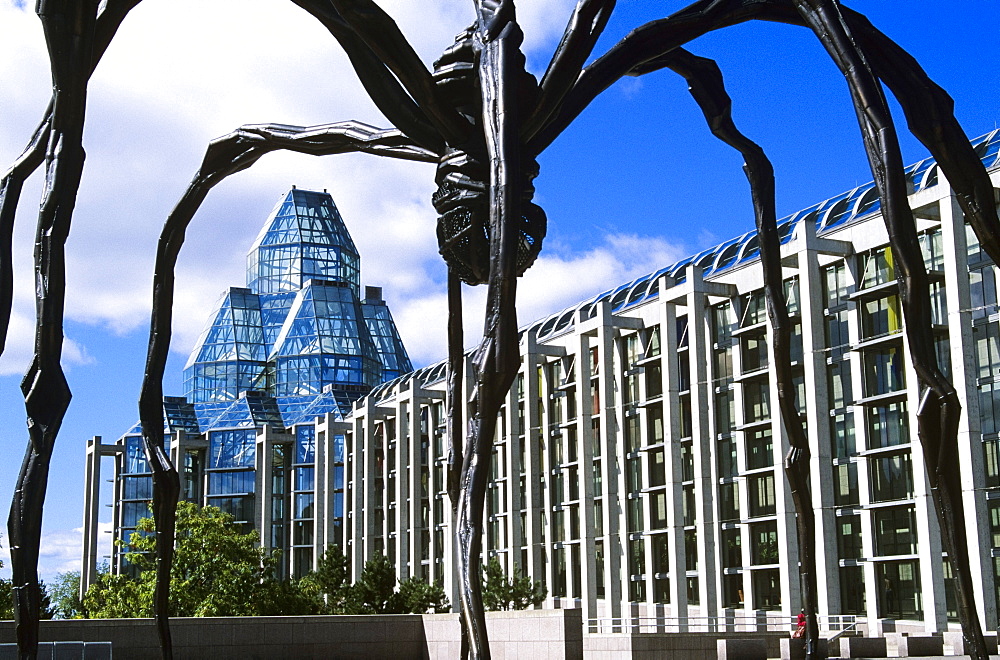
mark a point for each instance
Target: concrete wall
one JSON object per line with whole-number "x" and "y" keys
{"x": 676, "y": 646}
{"x": 556, "y": 634}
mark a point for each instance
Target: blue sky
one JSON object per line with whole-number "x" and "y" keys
{"x": 636, "y": 183}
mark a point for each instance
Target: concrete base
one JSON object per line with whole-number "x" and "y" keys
{"x": 957, "y": 642}
{"x": 742, "y": 649}
{"x": 863, "y": 647}
{"x": 920, "y": 645}
{"x": 795, "y": 649}
{"x": 556, "y": 634}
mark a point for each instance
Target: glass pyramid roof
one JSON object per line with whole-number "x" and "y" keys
{"x": 304, "y": 238}
{"x": 324, "y": 341}
{"x": 298, "y": 342}
{"x": 300, "y": 409}
{"x": 230, "y": 355}
{"x": 395, "y": 361}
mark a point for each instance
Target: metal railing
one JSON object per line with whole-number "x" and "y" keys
{"x": 831, "y": 627}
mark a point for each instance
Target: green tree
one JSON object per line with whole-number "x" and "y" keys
{"x": 329, "y": 585}
{"x": 418, "y": 597}
{"x": 6, "y": 598}
{"x": 217, "y": 571}
{"x": 376, "y": 592}
{"x": 45, "y": 609}
{"x": 515, "y": 593}
{"x": 65, "y": 594}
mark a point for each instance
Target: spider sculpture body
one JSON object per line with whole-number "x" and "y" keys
{"x": 484, "y": 119}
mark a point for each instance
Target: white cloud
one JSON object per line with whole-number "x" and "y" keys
{"x": 183, "y": 72}
{"x": 61, "y": 551}
{"x": 554, "y": 282}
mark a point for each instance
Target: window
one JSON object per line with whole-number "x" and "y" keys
{"x": 845, "y": 484}
{"x": 991, "y": 462}
{"x": 754, "y": 309}
{"x": 689, "y": 505}
{"x": 661, "y": 554}
{"x": 754, "y": 352}
{"x": 767, "y": 589}
{"x": 983, "y": 288}
{"x": 759, "y": 450}
{"x": 835, "y": 284}
{"x": 764, "y": 543}
{"x": 932, "y": 247}
{"x": 657, "y": 471}
{"x": 654, "y": 424}
{"x": 725, "y": 411}
{"x": 724, "y": 364}
{"x": 895, "y": 531}
{"x": 881, "y": 317}
{"x": 891, "y": 477}
{"x": 732, "y": 550}
{"x": 729, "y": 502}
{"x": 658, "y": 510}
{"x": 732, "y": 591}
{"x": 842, "y": 435}
{"x": 887, "y": 425}
{"x": 838, "y": 376}
{"x": 852, "y": 590}
{"x": 722, "y": 323}
{"x": 987, "y": 337}
{"x": 761, "y": 492}
{"x": 877, "y": 267}
{"x": 899, "y": 589}
{"x": 849, "y": 537}
{"x": 727, "y": 458}
{"x": 637, "y": 557}
{"x": 755, "y": 401}
{"x": 884, "y": 371}
{"x": 989, "y": 408}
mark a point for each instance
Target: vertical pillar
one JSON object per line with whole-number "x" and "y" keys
{"x": 612, "y": 475}
{"x": 964, "y": 370}
{"x": 699, "y": 348}
{"x": 669, "y": 342}
{"x": 91, "y": 509}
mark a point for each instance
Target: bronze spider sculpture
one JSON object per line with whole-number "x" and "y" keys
{"x": 484, "y": 119}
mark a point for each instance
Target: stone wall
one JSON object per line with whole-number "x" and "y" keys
{"x": 556, "y": 634}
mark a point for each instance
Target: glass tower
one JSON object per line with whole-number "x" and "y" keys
{"x": 297, "y": 343}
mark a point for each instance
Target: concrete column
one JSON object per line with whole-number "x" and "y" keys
{"x": 407, "y": 494}
{"x": 608, "y": 378}
{"x": 669, "y": 342}
{"x": 699, "y": 350}
{"x": 534, "y": 472}
{"x": 96, "y": 450}
{"x": 964, "y": 371}
{"x": 586, "y": 439}
{"x": 264, "y": 468}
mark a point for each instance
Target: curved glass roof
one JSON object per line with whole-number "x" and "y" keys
{"x": 833, "y": 213}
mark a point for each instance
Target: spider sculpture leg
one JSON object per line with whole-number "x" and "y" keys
{"x": 46, "y": 391}
{"x": 455, "y": 401}
{"x": 496, "y": 361}
{"x": 939, "y": 410}
{"x": 108, "y": 22}
{"x": 707, "y": 87}
{"x": 225, "y": 156}
{"x": 69, "y": 34}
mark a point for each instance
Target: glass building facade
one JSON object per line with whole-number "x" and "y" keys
{"x": 637, "y": 465}
{"x": 297, "y": 344}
